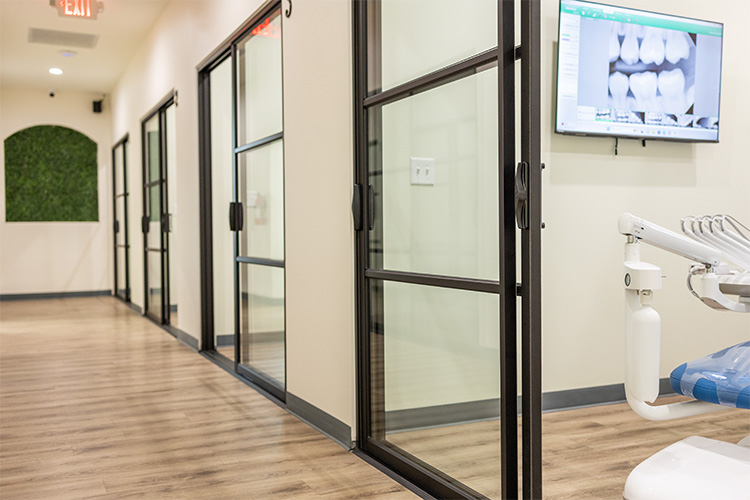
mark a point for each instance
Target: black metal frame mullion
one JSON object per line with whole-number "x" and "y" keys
{"x": 260, "y": 142}
{"x": 507, "y": 249}
{"x": 235, "y": 199}
{"x": 204, "y": 208}
{"x": 531, "y": 328}
{"x": 164, "y": 215}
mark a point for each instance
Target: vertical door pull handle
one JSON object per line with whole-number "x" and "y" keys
{"x": 144, "y": 224}
{"x": 236, "y": 216}
{"x": 370, "y": 207}
{"x": 117, "y": 226}
{"x": 357, "y": 207}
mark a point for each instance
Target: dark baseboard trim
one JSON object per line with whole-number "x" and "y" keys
{"x": 320, "y": 420}
{"x": 183, "y": 337}
{"x": 593, "y": 396}
{"x": 54, "y": 295}
{"x": 488, "y": 409}
{"x": 224, "y": 340}
{"x": 436, "y": 416}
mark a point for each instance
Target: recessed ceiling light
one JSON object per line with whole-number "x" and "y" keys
{"x": 68, "y": 53}
{"x": 56, "y": 71}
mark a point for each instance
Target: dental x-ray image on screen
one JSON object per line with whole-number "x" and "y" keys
{"x": 631, "y": 73}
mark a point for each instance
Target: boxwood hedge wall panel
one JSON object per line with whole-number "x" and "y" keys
{"x": 50, "y": 175}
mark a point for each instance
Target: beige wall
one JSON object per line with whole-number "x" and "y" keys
{"x": 586, "y": 188}
{"x": 319, "y": 234}
{"x": 43, "y": 257}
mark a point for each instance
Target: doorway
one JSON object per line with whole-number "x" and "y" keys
{"x": 160, "y": 212}
{"x": 120, "y": 204}
{"x": 242, "y": 173}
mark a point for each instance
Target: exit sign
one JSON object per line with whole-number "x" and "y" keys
{"x": 84, "y": 9}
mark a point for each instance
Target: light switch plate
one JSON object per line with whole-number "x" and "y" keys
{"x": 423, "y": 171}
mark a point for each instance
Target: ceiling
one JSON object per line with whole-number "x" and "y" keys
{"x": 120, "y": 29}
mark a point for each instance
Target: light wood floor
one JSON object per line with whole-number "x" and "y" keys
{"x": 587, "y": 453}
{"x": 98, "y": 402}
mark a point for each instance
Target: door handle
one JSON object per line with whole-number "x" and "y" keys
{"x": 144, "y": 224}
{"x": 370, "y": 207}
{"x": 357, "y": 207}
{"x": 236, "y": 216}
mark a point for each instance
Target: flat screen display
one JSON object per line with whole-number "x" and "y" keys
{"x": 631, "y": 73}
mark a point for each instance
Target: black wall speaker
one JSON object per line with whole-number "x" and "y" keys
{"x": 98, "y": 106}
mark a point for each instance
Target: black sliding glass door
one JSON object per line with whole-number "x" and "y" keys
{"x": 120, "y": 216}
{"x": 242, "y": 169}
{"x": 159, "y": 212}
{"x": 435, "y": 210}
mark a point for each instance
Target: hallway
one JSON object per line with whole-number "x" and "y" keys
{"x": 98, "y": 402}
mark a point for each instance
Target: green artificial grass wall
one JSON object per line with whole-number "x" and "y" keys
{"x": 50, "y": 175}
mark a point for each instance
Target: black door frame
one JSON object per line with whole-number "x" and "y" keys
{"x": 164, "y": 223}
{"x": 504, "y": 55}
{"x": 122, "y": 143}
{"x": 227, "y": 50}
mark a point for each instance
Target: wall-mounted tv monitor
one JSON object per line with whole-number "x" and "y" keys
{"x": 631, "y": 73}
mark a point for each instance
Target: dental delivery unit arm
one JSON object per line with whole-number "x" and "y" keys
{"x": 643, "y": 323}
{"x": 695, "y": 468}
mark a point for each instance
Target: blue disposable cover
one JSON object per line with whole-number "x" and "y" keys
{"x": 722, "y": 378}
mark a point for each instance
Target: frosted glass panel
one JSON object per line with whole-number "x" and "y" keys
{"x": 420, "y": 36}
{"x": 443, "y": 223}
{"x": 259, "y": 82}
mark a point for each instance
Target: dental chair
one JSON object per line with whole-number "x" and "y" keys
{"x": 695, "y": 468}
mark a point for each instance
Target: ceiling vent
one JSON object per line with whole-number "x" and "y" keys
{"x": 62, "y": 38}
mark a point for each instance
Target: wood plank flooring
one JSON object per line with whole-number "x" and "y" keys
{"x": 97, "y": 402}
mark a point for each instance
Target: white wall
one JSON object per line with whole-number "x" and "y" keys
{"x": 586, "y": 188}
{"x": 43, "y": 257}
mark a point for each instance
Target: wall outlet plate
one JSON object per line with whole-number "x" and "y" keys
{"x": 423, "y": 171}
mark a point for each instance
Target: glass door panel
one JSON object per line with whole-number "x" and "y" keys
{"x": 122, "y": 290}
{"x": 259, "y": 103}
{"x": 261, "y": 192}
{"x": 171, "y": 215}
{"x": 441, "y": 379}
{"x": 262, "y": 322}
{"x": 152, "y": 216}
{"x": 437, "y": 189}
{"x": 154, "y": 296}
{"x": 222, "y": 242}
{"x": 436, "y": 263}
{"x": 422, "y": 25}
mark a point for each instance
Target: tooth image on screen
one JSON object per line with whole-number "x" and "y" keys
{"x": 677, "y": 46}
{"x": 614, "y": 43}
{"x": 630, "y": 52}
{"x": 652, "y": 46}
{"x": 672, "y": 89}
{"x": 643, "y": 85}
{"x": 618, "y": 87}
